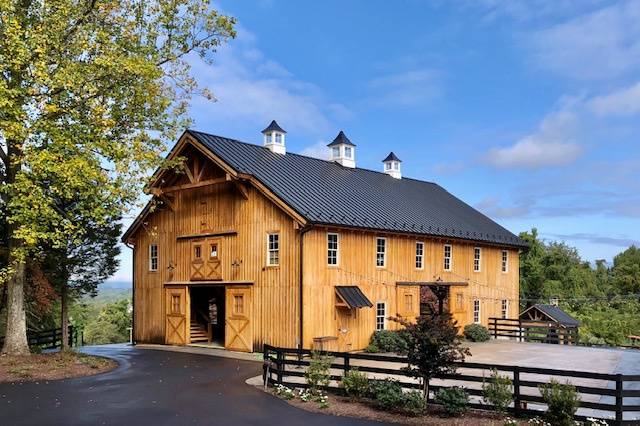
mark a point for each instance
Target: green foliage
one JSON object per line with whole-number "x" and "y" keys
{"x": 389, "y": 341}
{"x": 414, "y": 403}
{"x": 498, "y": 391}
{"x": 454, "y": 400}
{"x": 318, "y": 374}
{"x": 476, "y": 333}
{"x": 111, "y": 324}
{"x": 372, "y": 349}
{"x": 388, "y": 394}
{"x": 562, "y": 401}
{"x": 355, "y": 384}
{"x": 433, "y": 346}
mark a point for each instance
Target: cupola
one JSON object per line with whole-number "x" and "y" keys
{"x": 392, "y": 166}
{"x": 342, "y": 150}
{"x": 274, "y": 138}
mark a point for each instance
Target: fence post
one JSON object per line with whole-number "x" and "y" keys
{"x": 619, "y": 398}
{"x": 516, "y": 391}
{"x": 280, "y": 364}
{"x": 495, "y": 327}
{"x": 347, "y": 363}
{"x": 519, "y": 329}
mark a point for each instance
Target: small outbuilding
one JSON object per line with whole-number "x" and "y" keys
{"x": 562, "y": 327}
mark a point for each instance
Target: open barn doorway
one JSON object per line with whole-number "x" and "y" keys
{"x": 207, "y": 316}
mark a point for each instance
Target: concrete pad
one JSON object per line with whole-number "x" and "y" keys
{"x": 201, "y": 350}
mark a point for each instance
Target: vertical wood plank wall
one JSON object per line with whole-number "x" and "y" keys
{"x": 357, "y": 266}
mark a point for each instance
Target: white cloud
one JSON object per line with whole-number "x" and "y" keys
{"x": 408, "y": 88}
{"x": 493, "y": 207}
{"x": 553, "y": 144}
{"x": 622, "y": 102}
{"x": 317, "y": 150}
{"x": 596, "y": 45}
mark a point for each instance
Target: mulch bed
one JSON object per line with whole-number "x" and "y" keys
{"x": 347, "y": 407}
{"x": 52, "y": 366}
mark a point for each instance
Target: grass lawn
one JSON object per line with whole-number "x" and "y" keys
{"x": 51, "y": 366}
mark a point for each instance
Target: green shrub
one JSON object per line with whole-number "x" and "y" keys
{"x": 476, "y": 333}
{"x": 454, "y": 400}
{"x": 355, "y": 384}
{"x": 414, "y": 403}
{"x": 498, "y": 391}
{"x": 562, "y": 401}
{"x": 372, "y": 349}
{"x": 390, "y": 341}
{"x": 318, "y": 374}
{"x": 388, "y": 394}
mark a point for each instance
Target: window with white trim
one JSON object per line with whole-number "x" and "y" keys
{"x": 347, "y": 151}
{"x": 332, "y": 249}
{"x": 476, "y": 311}
{"x": 278, "y": 137}
{"x": 336, "y": 152}
{"x": 505, "y": 261}
{"x": 381, "y": 252}
{"x": 419, "y": 255}
{"x": 447, "y": 257}
{"x": 504, "y": 311}
{"x": 477, "y": 257}
{"x": 153, "y": 257}
{"x": 381, "y": 316}
{"x": 273, "y": 249}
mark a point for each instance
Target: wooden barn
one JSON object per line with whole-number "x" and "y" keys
{"x": 248, "y": 244}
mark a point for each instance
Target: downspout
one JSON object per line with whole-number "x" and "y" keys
{"x": 301, "y": 280}
{"x": 133, "y": 293}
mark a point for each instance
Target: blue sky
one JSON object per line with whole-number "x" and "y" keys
{"x": 527, "y": 110}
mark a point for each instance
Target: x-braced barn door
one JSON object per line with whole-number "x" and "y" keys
{"x": 176, "y": 314}
{"x": 238, "y": 330}
{"x": 205, "y": 260}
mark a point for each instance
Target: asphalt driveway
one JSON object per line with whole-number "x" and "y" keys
{"x": 152, "y": 387}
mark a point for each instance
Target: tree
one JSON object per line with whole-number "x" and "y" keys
{"x": 90, "y": 92}
{"x": 111, "y": 324}
{"x": 626, "y": 271}
{"x": 434, "y": 347}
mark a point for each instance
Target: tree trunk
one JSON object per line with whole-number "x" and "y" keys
{"x": 425, "y": 389}
{"x": 64, "y": 312}
{"x": 15, "y": 340}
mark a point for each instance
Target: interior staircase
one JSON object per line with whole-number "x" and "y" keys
{"x": 198, "y": 333}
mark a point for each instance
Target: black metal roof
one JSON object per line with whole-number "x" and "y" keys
{"x": 324, "y": 192}
{"x": 353, "y": 296}
{"x": 556, "y": 314}
{"x": 341, "y": 139}
{"x": 274, "y": 127}
{"x": 392, "y": 157}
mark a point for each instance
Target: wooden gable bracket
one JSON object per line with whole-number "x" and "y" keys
{"x": 241, "y": 188}
{"x": 165, "y": 198}
{"x": 187, "y": 170}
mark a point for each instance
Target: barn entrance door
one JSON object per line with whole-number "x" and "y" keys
{"x": 238, "y": 327}
{"x": 176, "y": 316}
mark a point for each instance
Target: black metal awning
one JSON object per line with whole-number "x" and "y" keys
{"x": 353, "y": 297}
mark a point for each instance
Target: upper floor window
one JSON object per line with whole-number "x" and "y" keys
{"x": 268, "y": 137}
{"x": 278, "y": 137}
{"x": 387, "y": 166}
{"x": 332, "y": 249}
{"x": 419, "y": 255}
{"x": 505, "y": 261}
{"x": 336, "y": 152}
{"x": 396, "y": 166}
{"x": 273, "y": 249}
{"x": 504, "y": 308}
{"x": 347, "y": 151}
{"x": 447, "y": 257}
{"x": 381, "y": 252}
{"x": 477, "y": 257}
{"x": 476, "y": 311}
{"x": 381, "y": 316}
{"x": 153, "y": 257}
{"x": 213, "y": 251}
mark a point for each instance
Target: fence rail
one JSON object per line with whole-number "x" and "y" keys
{"x": 532, "y": 331}
{"x": 52, "y": 339}
{"x": 613, "y": 397}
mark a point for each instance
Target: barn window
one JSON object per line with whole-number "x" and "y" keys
{"x": 332, "y": 249}
{"x": 153, "y": 257}
{"x": 278, "y": 137}
{"x": 459, "y": 302}
{"x": 447, "y": 257}
{"x": 197, "y": 252}
{"x": 336, "y": 152}
{"x": 381, "y": 252}
{"x": 476, "y": 311}
{"x": 477, "y": 255}
{"x": 381, "y": 315}
{"x": 347, "y": 151}
{"x": 504, "y": 308}
{"x": 408, "y": 302}
{"x": 505, "y": 261}
{"x": 419, "y": 255}
{"x": 213, "y": 250}
{"x": 238, "y": 304}
{"x": 175, "y": 304}
{"x": 273, "y": 249}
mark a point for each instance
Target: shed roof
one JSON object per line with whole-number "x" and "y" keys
{"x": 555, "y": 313}
{"x": 326, "y": 193}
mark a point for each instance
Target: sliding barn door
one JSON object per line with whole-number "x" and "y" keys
{"x": 238, "y": 327}
{"x": 176, "y": 316}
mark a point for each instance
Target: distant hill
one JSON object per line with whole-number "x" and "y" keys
{"x": 115, "y": 284}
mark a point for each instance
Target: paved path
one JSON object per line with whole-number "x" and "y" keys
{"x": 153, "y": 387}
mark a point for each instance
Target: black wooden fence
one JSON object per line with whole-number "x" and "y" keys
{"x": 52, "y": 339}
{"x": 532, "y": 331}
{"x": 613, "y": 397}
